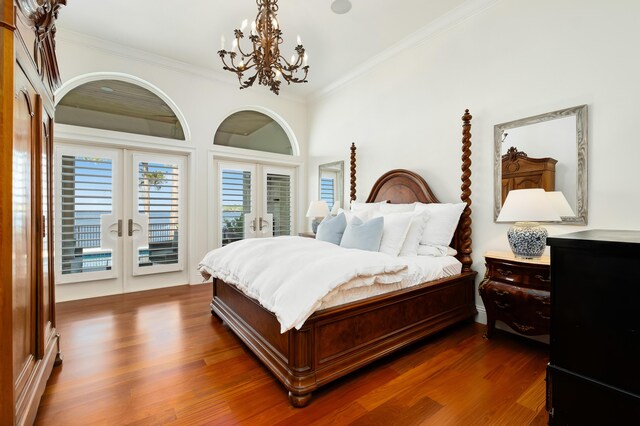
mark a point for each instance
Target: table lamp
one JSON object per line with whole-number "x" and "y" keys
{"x": 528, "y": 207}
{"x": 560, "y": 204}
{"x": 318, "y": 210}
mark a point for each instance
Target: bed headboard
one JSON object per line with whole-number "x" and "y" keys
{"x": 401, "y": 186}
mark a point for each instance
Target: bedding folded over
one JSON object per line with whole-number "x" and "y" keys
{"x": 290, "y": 276}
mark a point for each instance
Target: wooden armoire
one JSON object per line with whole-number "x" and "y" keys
{"x": 519, "y": 171}
{"x": 29, "y": 343}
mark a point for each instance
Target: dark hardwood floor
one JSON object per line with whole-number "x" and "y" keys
{"x": 159, "y": 357}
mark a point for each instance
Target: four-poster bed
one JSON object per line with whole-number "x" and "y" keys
{"x": 335, "y": 341}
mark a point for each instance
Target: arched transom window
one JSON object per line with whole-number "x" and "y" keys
{"x": 253, "y": 130}
{"x": 120, "y": 106}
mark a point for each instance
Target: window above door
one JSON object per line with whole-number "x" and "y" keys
{"x": 120, "y": 106}
{"x": 255, "y": 131}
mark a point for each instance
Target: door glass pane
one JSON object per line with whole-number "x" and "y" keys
{"x": 86, "y": 188}
{"x": 328, "y": 191}
{"x": 235, "y": 202}
{"x": 158, "y": 201}
{"x": 279, "y": 202}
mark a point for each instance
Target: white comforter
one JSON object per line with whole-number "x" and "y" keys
{"x": 290, "y": 276}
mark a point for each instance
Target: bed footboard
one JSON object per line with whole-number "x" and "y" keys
{"x": 339, "y": 340}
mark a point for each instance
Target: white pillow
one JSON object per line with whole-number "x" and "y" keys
{"x": 396, "y": 226}
{"x": 368, "y": 207}
{"x": 397, "y": 208}
{"x": 414, "y": 234}
{"x": 442, "y": 223}
{"x": 363, "y": 215}
{"x": 435, "y": 251}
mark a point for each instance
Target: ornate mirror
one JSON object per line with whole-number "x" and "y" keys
{"x": 546, "y": 151}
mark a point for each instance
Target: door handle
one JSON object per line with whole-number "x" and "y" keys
{"x": 130, "y": 227}
{"x": 119, "y": 227}
{"x": 262, "y": 226}
{"x": 253, "y": 224}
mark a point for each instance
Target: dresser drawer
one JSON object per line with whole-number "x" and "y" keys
{"x": 524, "y": 276}
{"x": 528, "y": 311}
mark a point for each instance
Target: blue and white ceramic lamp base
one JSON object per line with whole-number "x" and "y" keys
{"x": 527, "y": 239}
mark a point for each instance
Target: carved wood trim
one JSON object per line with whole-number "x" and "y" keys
{"x": 464, "y": 226}
{"x": 352, "y": 170}
{"x": 41, "y": 18}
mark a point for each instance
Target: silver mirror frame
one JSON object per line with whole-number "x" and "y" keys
{"x": 581, "y": 113}
{"x": 339, "y": 167}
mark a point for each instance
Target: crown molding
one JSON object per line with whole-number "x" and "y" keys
{"x": 450, "y": 19}
{"x": 130, "y": 53}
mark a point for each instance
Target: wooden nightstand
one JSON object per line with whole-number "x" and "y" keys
{"x": 517, "y": 292}
{"x": 306, "y": 234}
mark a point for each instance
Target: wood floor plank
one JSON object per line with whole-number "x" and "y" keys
{"x": 159, "y": 357}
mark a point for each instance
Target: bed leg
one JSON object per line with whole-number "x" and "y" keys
{"x": 299, "y": 401}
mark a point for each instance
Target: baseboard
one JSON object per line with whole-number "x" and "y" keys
{"x": 481, "y": 317}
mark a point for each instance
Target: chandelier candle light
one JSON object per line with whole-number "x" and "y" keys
{"x": 265, "y": 61}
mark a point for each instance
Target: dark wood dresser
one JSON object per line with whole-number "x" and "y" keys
{"x": 516, "y": 292}
{"x": 593, "y": 377}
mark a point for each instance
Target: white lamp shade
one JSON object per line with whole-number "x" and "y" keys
{"x": 528, "y": 205}
{"x": 560, "y": 203}
{"x": 318, "y": 209}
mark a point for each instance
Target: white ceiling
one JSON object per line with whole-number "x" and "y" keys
{"x": 190, "y": 31}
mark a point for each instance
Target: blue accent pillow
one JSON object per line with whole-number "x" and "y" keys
{"x": 363, "y": 235}
{"x": 332, "y": 228}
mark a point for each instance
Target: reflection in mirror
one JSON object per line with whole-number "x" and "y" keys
{"x": 547, "y": 151}
{"x": 331, "y": 184}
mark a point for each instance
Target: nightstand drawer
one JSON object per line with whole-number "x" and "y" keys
{"x": 525, "y": 310}
{"x": 536, "y": 277}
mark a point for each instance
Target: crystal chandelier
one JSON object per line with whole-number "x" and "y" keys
{"x": 266, "y": 63}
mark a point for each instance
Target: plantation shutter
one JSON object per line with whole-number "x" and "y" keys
{"x": 236, "y": 204}
{"x": 85, "y": 214}
{"x": 328, "y": 191}
{"x": 279, "y": 202}
{"x": 159, "y": 201}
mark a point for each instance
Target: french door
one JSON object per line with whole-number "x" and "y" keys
{"x": 120, "y": 221}
{"x": 254, "y": 201}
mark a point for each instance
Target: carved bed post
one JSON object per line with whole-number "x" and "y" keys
{"x": 465, "y": 220}
{"x": 353, "y": 172}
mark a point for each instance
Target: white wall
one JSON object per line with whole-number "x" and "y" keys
{"x": 205, "y": 103}
{"x": 515, "y": 59}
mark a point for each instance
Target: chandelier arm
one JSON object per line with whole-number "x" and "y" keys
{"x": 244, "y": 55}
{"x": 224, "y": 62}
{"x": 292, "y": 66}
